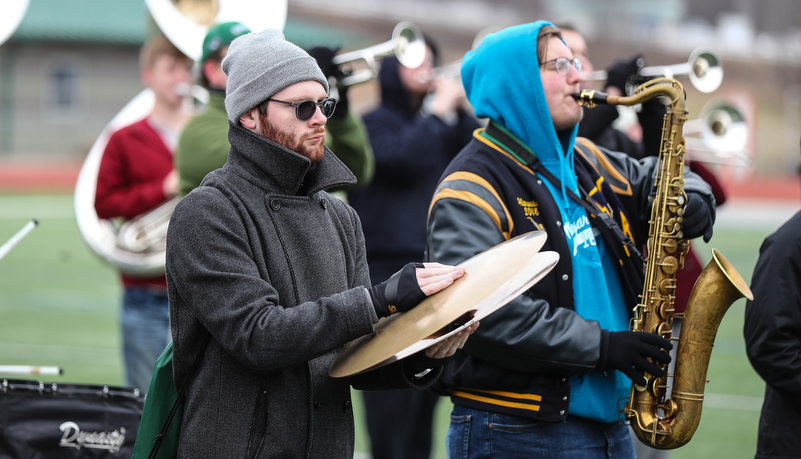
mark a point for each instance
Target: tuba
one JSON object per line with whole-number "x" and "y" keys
{"x": 137, "y": 246}
{"x": 13, "y": 13}
{"x": 659, "y": 421}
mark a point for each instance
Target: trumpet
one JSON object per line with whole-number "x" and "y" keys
{"x": 703, "y": 69}
{"x": 719, "y": 135}
{"x": 407, "y": 45}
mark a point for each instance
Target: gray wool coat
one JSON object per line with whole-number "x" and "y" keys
{"x": 273, "y": 268}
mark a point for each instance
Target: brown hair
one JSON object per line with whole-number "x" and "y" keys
{"x": 546, "y": 32}
{"x": 160, "y": 46}
{"x": 216, "y": 56}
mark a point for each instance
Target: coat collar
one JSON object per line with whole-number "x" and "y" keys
{"x": 275, "y": 168}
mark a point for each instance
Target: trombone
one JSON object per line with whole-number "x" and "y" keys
{"x": 703, "y": 68}
{"x": 407, "y": 45}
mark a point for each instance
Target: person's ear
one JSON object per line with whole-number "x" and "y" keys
{"x": 212, "y": 71}
{"x": 248, "y": 119}
{"x": 145, "y": 76}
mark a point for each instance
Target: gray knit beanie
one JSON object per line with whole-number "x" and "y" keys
{"x": 259, "y": 65}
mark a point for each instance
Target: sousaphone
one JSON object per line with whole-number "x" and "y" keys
{"x": 12, "y": 13}
{"x": 138, "y": 246}
{"x": 491, "y": 280}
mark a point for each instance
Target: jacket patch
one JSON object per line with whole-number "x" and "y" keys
{"x": 530, "y": 208}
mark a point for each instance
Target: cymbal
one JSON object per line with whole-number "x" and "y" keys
{"x": 492, "y": 278}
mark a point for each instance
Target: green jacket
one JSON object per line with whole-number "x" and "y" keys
{"x": 203, "y": 145}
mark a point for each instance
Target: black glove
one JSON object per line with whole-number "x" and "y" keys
{"x": 627, "y": 351}
{"x": 399, "y": 293}
{"x": 699, "y": 217}
{"x": 622, "y": 72}
{"x": 325, "y": 60}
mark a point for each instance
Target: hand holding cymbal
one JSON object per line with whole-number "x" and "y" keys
{"x": 447, "y": 348}
{"x": 490, "y": 280}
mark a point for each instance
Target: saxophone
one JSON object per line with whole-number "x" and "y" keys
{"x": 659, "y": 421}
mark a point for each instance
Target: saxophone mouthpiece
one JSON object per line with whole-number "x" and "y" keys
{"x": 590, "y": 98}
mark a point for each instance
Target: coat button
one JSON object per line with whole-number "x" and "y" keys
{"x": 346, "y": 406}
{"x": 565, "y": 277}
{"x": 316, "y": 404}
{"x": 564, "y": 399}
{"x": 275, "y": 204}
{"x": 561, "y": 412}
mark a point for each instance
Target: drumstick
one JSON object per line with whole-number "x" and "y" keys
{"x": 5, "y": 248}
{"x": 30, "y": 370}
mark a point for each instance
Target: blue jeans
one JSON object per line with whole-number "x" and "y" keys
{"x": 145, "y": 333}
{"x": 478, "y": 434}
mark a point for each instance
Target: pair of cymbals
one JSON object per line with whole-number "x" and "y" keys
{"x": 492, "y": 279}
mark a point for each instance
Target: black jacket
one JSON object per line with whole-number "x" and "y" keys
{"x": 411, "y": 150}
{"x": 773, "y": 339}
{"x": 519, "y": 360}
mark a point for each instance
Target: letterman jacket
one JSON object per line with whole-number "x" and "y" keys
{"x": 518, "y": 362}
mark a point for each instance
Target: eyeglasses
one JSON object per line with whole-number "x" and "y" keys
{"x": 305, "y": 109}
{"x": 562, "y": 64}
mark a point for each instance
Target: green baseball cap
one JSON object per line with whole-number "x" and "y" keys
{"x": 221, "y": 35}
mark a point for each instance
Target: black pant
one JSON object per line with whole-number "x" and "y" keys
{"x": 399, "y": 423}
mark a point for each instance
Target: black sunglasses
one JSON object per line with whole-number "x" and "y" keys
{"x": 305, "y": 109}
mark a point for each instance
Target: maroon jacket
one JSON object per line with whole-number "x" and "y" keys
{"x": 685, "y": 279}
{"x": 130, "y": 181}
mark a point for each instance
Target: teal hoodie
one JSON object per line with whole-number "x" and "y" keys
{"x": 502, "y": 81}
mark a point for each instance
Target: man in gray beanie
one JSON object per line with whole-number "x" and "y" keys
{"x": 270, "y": 270}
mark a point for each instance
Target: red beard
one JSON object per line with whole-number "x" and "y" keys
{"x": 292, "y": 141}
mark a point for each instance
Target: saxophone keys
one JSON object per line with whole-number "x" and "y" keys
{"x": 670, "y": 245}
{"x": 667, "y": 286}
{"x": 669, "y": 265}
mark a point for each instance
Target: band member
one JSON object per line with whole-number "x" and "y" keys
{"x": 597, "y": 126}
{"x": 136, "y": 175}
{"x": 413, "y": 142}
{"x": 542, "y": 376}
{"x": 203, "y": 145}
{"x": 271, "y": 270}
{"x": 773, "y": 339}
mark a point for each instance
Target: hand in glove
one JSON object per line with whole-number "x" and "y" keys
{"x": 699, "y": 217}
{"x": 325, "y": 60}
{"x": 627, "y": 351}
{"x": 408, "y": 287}
{"x": 619, "y": 73}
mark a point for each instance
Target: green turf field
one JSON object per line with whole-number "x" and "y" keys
{"x": 59, "y": 305}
